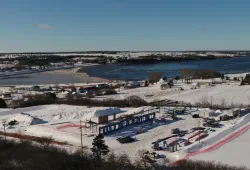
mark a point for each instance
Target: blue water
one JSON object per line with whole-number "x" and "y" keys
{"x": 134, "y": 72}
{"x": 168, "y": 69}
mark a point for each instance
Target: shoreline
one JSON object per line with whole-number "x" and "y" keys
{"x": 85, "y": 78}
{"x": 75, "y": 72}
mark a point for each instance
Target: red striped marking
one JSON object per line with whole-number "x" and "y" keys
{"x": 69, "y": 126}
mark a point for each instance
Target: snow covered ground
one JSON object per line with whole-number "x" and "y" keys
{"x": 59, "y": 113}
{"x": 233, "y": 153}
{"x": 229, "y": 93}
{"x": 62, "y": 123}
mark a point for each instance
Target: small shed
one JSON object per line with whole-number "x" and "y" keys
{"x": 103, "y": 115}
{"x": 165, "y": 85}
{"x": 224, "y": 116}
{"x": 234, "y": 112}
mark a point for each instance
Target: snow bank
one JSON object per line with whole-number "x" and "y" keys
{"x": 25, "y": 119}
{"x": 85, "y": 114}
{"x": 45, "y": 131}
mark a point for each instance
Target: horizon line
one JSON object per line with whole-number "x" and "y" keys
{"x": 125, "y": 51}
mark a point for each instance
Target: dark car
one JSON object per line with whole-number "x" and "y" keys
{"x": 125, "y": 139}
{"x": 197, "y": 128}
{"x": 175, "y": 131}
{"x": 195, "y": 116}
{"x": 102, "y": 86}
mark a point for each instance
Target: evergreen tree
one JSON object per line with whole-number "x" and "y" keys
{"x": 99, "y": 148}
{"x": 3, "y": 104}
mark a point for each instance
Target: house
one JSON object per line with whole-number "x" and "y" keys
{"x": 6, "y": 96}
{"x": 35, "y": 88}
{"x": 165, "y": 85}
{"x": 208, "y": 113}
{"x": 135, "y": 84}
{"x": 223, "y": 117}
{"x": 23, "y": 88}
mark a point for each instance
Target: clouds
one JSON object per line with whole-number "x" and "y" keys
{"x": 44, "y": 26}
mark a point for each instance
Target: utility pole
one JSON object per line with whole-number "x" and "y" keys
{"x": 199, "y": 130}
{"x": 4, "y": 125}
{"x": 81, "y": 133}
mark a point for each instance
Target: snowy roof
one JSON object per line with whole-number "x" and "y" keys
{"x": 108, "y": 111}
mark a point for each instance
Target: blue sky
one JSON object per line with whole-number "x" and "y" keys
{"x": 78, "y": 25}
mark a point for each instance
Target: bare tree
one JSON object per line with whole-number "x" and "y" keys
{"x": 204, "y": 101}
{"x": 154, "y": 77}
{"x": 223, "y": 103}
{"x": 186, "y": 73}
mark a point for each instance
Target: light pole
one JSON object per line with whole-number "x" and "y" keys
{"x": 199, "y": 129}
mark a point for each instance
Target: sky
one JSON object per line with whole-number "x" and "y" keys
{"x": 134, "y": 25}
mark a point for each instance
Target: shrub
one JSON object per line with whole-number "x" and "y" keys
{"x": 177, "y": 78}
{"x": 206, "y": 74}
{"x": 28, "y": 157}
{"x": 45, "y": 141}
{"x": 136, "y": 101}
{"x": 52, "y": 96}
{"x": 38, "y": 100}
{"x": 132, "y": 101}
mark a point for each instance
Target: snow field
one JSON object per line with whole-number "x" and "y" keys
{"x": 71, "y": 135}
{"x": 228, "y": 93}
{"x": 233, "y": 153}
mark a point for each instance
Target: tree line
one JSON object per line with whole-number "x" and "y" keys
{"x": 25, "y": 155}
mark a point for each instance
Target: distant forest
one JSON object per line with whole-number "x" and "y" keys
{"x": 27, "y": 60}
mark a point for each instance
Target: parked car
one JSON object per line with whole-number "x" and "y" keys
{"x": 195, "y": 116}
{"x": 175, "y": 131}
{"x": 197, "y": 128}
{"x": 125, "y": 139}
{"x": 211, "y": 124}
{"x": 103, "y": 86}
